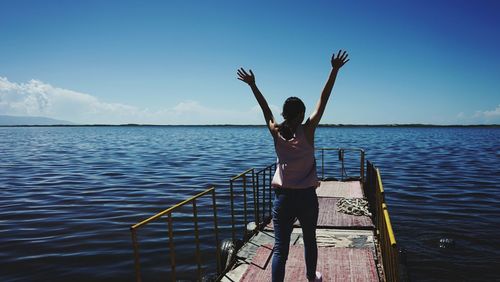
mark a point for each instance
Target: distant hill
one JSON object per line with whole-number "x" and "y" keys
{"x": 28, "y": 120}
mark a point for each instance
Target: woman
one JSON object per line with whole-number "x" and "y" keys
{"x": 295, "y": 179}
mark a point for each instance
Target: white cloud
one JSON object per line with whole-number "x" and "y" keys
{"x": 37, "y": 98}
{"x": 190, "y": 107}
{"x": 492, "y": 114}
{"x": 481, "y": 117}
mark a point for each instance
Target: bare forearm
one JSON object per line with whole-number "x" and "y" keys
{"x": 337, "y": 62}
{"x": 258, "y": 95}
{"x": 327, "y": 91}
{"x": 268, "y": 116}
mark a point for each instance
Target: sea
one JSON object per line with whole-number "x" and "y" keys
{"x": 69, "y": 195}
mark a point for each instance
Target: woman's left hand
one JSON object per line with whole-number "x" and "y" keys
{"x": 339, "y": 60}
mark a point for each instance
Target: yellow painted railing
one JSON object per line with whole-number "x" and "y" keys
{"x": 168, "y": 213}
{"x": 385, "y": 234}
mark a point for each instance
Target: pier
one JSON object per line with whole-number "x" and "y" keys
{"x": 346, "y": 244}
{"x": 352, "y": 245}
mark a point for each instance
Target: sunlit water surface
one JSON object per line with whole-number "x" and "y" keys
{"x": 70, "y": 194}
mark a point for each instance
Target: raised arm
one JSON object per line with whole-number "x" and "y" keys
{"x": 268, "y": 115}
{"x": 337, "y": 62}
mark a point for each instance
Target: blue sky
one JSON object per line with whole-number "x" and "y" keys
{"x": 174, "y": 62}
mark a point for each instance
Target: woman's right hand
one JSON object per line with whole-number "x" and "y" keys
{"x": 245, "y": 77}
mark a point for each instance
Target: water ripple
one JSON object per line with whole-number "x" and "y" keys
{"x": 69, "y": 195}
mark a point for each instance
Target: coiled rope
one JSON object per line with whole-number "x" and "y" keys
{"x": 353, "y": 206}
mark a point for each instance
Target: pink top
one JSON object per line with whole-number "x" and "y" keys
{"x": 296, "y": 165}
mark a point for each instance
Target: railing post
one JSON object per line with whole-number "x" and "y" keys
{"x": 362, "y": 166}
{"x": 380, "y": 198}
{"x": 216, "y": 231}
{"x": 197, "y": 238}
{"x": 255, "y": 200}
{"x": 342, "y": 168}
{"x": 171, "y": 246}
{"x": 257, "y": 185}
{"x": 233, "y": 230}
{"x": 322, "y": 163}
{"x": 264, "y": 192}
{"x": 136, "y": 255}
{"x": 245, "y": 211}
{"x": 270, "y": 191}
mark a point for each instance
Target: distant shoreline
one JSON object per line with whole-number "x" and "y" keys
{"x": 251, "y": 125}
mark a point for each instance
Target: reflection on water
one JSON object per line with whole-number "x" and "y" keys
{"x": 70, "y": 194}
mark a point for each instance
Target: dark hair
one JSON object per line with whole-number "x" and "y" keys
{"x": 292, "y": 108}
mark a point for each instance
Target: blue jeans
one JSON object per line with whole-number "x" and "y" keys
{"x": 288, "y": 205}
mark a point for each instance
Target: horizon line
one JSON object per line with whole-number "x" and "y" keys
{"x": 254, "y": 125}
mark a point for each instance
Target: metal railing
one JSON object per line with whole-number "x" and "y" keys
{"x": 266, "y": 175}
{"x": 259, "y": 203}
{"x": 390, "y": 254}
{"x": 259, "y": 184}
{"x": 168, "y": 212}
{"x": 245, "y": 176}
{"x": 257, "y": 200}
{"x": 341, "y": 156}
{"x": 385, "y": 234}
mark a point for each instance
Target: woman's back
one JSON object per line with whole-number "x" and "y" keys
{"x": 296, "y": 165}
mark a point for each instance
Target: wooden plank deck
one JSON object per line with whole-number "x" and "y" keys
{"x": 346, "y": 248}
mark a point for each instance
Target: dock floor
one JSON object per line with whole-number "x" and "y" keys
{"x": 346, "y": 247}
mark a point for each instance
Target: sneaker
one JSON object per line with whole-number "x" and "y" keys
{"x": 318, "y": 277}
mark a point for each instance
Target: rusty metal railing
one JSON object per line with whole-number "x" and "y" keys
{"x": 340, "y": 153}
{"x": 261, "y": 196}
{"x": 168, "y": 212}
{"x": 385, "y": 233}
{"x": 245, "y": 177}
{"x": 266, "y": 175}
